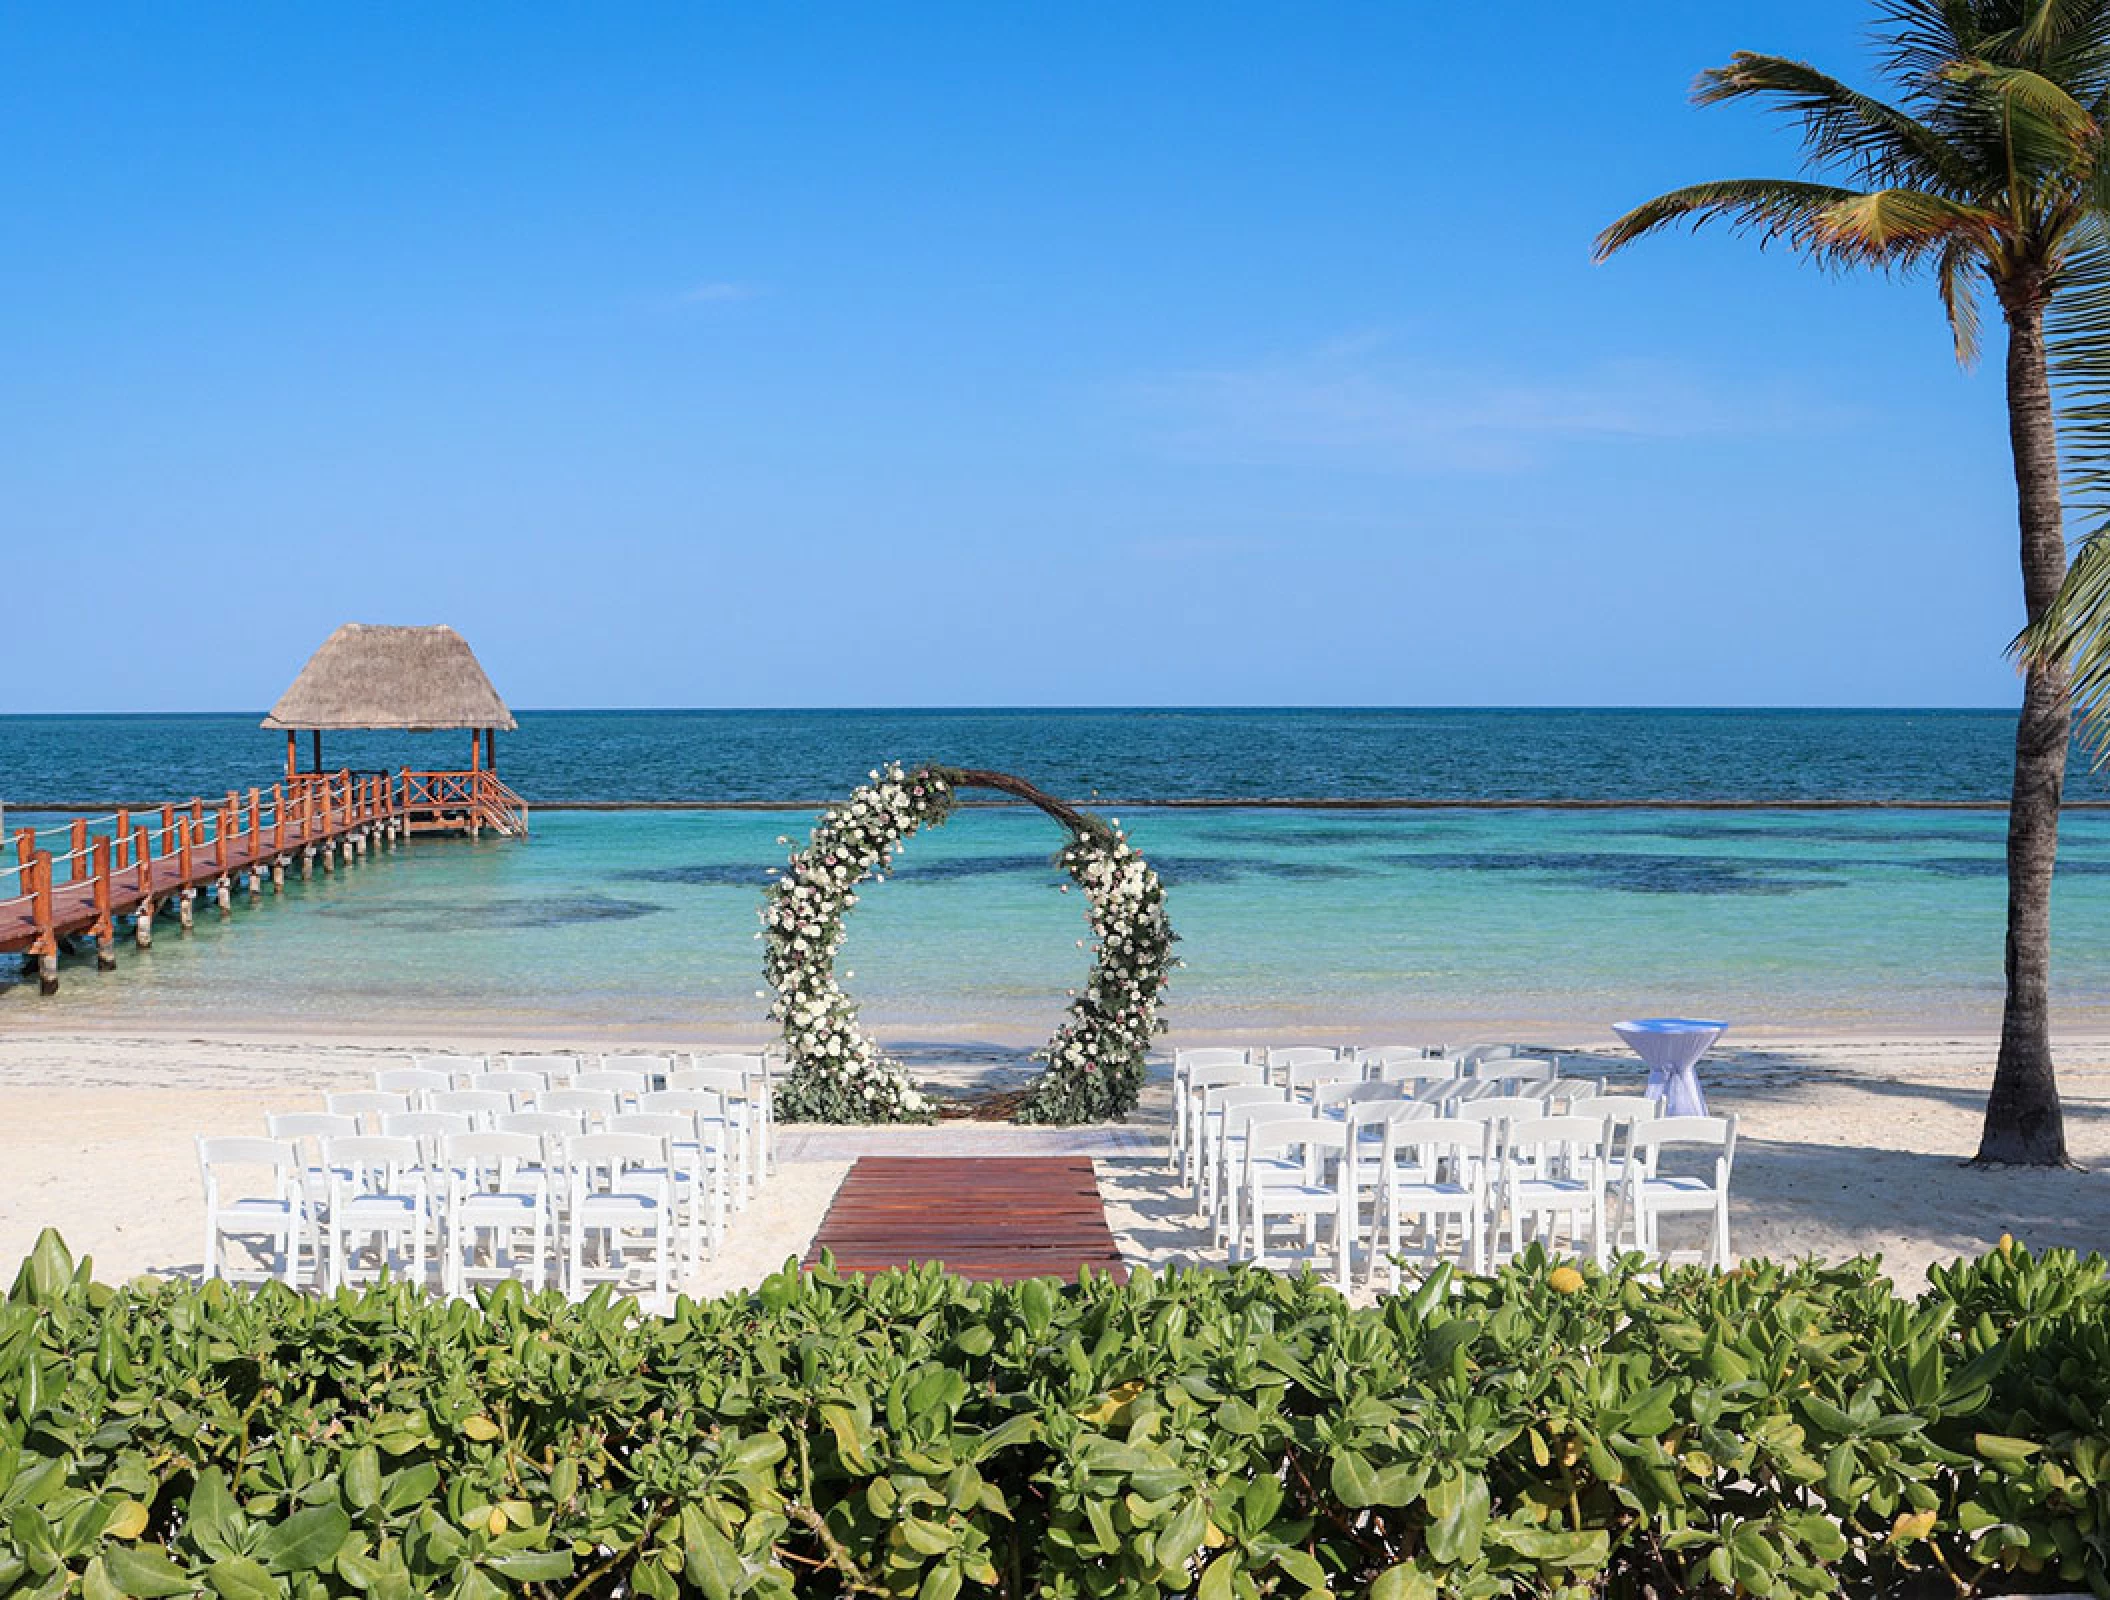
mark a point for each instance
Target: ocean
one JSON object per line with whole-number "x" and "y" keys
{"x": 1438, "y": 922}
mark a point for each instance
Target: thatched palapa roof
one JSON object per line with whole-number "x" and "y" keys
{"x": 379, "y": 677}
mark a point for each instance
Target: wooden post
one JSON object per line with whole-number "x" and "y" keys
{"x": 186, "y": 840}
{"x": 168, "y": 830}
{"x": 315, "y": 748}
{"x": 78, "y": 850}
{"x": 47, "y": 943}
{"x": 292, "y": 754}
{"x": 490, "y": 749}
{"x": 143, "y": 916}
{"x": 278, "y": 817}
{"x": 25, "y": 852}
{"x": 103, "y": 929}
{"x": 124, "y": 839}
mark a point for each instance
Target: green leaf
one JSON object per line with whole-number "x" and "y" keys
{"x": 362, "y": 1478}
{"x": 1404, "y": 1582}
{"x": 1354, "y": 1484}
{"x": 1182, "y": 1536}
{"x": 145, "y": 1573}
{"x": 1218, "y": 1578}
{"x": 1460, "y": 1508}
{"x": 239, "y": 1578}
{"x": 709, "y": 1560}
{"x": 533, "y": 1566}
{"x": 307, "y": 1541}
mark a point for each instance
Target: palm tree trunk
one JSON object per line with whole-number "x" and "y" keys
{"x": 2023, "y": 1123}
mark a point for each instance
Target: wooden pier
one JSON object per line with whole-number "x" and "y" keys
{"x": 135, "y": 865}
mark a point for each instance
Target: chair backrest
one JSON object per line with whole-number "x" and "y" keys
{"x": 1279, "y": 1135}
{"x": 651, "y": 1065}
{"x": 1649, "y": 1138}
{"x": 412, "y": 1080}
{"x": 1307, "y": 1074}
{"x": 1534, "y": 1138}
{"x": 615, "y": 1080}
{"x": 543, "y": 1124}
{"x": 1472, "y": 1055}
{"x": 727, "y": 1081}
{"x": 1439, "y": 1091}
{"x": 1208, "y": 1055}
{"x": 428, "y": 1128}
{"x": 669, "y": 1125}
{"x": 1517, "y": 1069}
{"x": 1297, "y": 1055}
{"x": 749, "y": 1064}
{"x": 370, "y": 1106}
{"x": 688, "y": 1104}
{"x": 595, "y": 1105}
{"x": 476, "y": 1160}
{"x": 1418, "y": 1072}
{"x": 1204, "y": 1078}
{"x": 1357, "y": 1092}
{"x": 452, "y": 1066}
{"x": 371, "y": 1161}
{"x": 598, "y": 1159}
{"x": 556, "y": 1066}
{"x": 1221, "y": 1096}
{"x": 246, "y": 1150}
{"x": 1434, "y": 1137}
{"x": 512, "y": 1081}
{"x": 1374, "y": 1056}
{"x": 311, "y": 1125}
{"x": 1245, "y": 1115}
{"x": 479, "y": 1105}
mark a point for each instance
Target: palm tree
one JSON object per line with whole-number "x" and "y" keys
{"x": 1986, "y": 169}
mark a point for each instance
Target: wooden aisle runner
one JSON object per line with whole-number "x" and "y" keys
{"x": 995, "y": 1218}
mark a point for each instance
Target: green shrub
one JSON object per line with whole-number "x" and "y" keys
{"x": 1779, "y": 1430}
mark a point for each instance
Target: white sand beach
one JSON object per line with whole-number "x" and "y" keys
{"x": 1846, "y": 1146}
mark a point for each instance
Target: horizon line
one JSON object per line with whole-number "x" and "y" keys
{"x": 1082, "y": 710}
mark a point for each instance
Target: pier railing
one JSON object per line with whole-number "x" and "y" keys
{"x": 458, "y": 802}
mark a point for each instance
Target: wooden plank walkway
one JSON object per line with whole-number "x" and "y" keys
{"x": 991, "y": 1218}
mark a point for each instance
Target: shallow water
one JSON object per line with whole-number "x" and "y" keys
{"x": 631, "y": 924}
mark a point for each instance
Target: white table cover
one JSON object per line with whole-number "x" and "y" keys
{"x": 1672, "y": 1047}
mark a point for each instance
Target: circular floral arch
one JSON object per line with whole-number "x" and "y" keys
{"x": 838, "y": 1072}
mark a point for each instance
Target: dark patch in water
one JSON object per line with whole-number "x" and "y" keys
{"x": 1996, "y": 867}
{"x": 1629, "y": 874}
{"x": 549, "y": 911}
{"x": 1188, "y": 870}
{"x": 702, "y": 875}
{"x": 1873, "y": 831}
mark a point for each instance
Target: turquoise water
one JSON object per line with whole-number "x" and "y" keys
{"x": 634, "y": 924}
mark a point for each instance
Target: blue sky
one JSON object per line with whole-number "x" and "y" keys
{"x": 960, "y": 354}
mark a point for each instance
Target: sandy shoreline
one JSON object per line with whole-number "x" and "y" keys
{"x": 1847, "y": 1145}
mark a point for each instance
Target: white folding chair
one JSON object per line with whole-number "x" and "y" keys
{"x": 1435, "y": 1170}
{"x": 760, "y": 1113}
{"x": 555, "y": 1067}
{"x": 458, "y": 1068}
{"x": 1279, "y": 1061}
{"x": 1513, "y": 1072}
{"x": 1183, "y": 1063}
{"x": 1555, "y": 1167}
{"x": 279, "y": 1214}
{"x": 1238, "y": 1123}
{"x": 428, "y": 1128}
{"x": 1369, "y": 1116}
{"x": 1319, "y": 1190}
{"x": 378, "y": 1191}
{"x": 1652, "y": 1193}
{"x": 1200, "y": 1080}
{"x": 654, "y": 1066}
{"x": 735, "y": 1129}
{"x": 1221, "y": 1156}
{"x": 593, "y": 1106}
{"x": 625, "y": 1086}
{"x": 483, "y": 1107}
{"x": 307, "y": 1130}
{"x": 1413, "y": 1075}
{"x": 708, "y": 1134}
{"x": 418, "y": 1084}
{"x": 370, "y": 1106}
{"x": 1304, "y": 1076}
{"x": 1374, "y": 1058}
{"x": 1618, "y": 1113}
{"x": 496, "y": 1187}
{"x": 1329, "y": 1098}
{"x": 619, "y": 1191}
{"x": 690, "y": 1172}
{"x": 522, "y": 1085}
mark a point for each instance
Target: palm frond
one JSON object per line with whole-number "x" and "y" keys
{"x": 1877, "y": 143}
{"x": 1959, "y": 296}
{"x": 2067, "y": 41}
{"x": 2037, "y": 128}
{"x": 2075, "y": 630}
{"x": 1773, "y": 208}
{"x": 1923, "y": 37}
{"x": 1898, "y": 227}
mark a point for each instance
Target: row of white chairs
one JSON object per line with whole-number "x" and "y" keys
{"x": 1384, "y": 1163}
{"x": 526, "y": 1076}
{"x": 484, "y": 1205}
{"x": 1305, "y": 1066}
